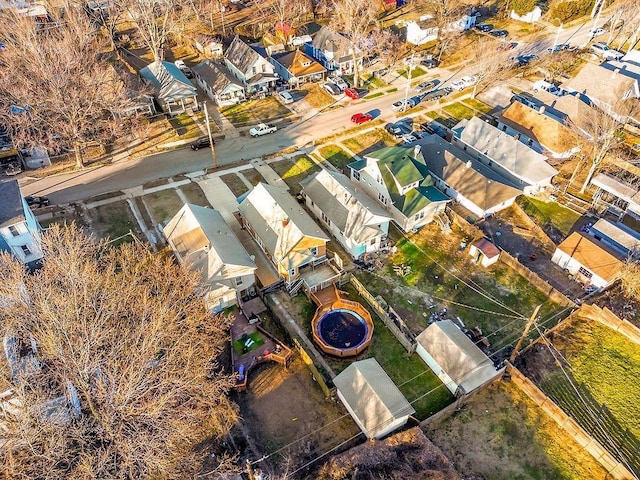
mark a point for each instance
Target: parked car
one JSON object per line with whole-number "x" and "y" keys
{"x": 507, "y": 46}
{"x": 602, "y": 50}
{"x": 262, "y": 129}
{"x": 484, "y": 27}
{"x": 430, "y": 62}
{"x": 351, "y": 93}
{"x": 183, "y": 68}
{"x": 464, "y": 82}
{"x": 13, "y": 169}
{"x": 434, "y": 129}
{"x": 202, "y": 142}
{"x": 559, "y": 48}
{"x": 548, "y": 87}
{"x": 596, "y": 32}
{"x": 437, "y": 94}
{"x": 526, "y": 100}
{"x": 427, "y": 85}
{"x": 332, "y": 88}
{"x": 408, "y": 138}
{"x": 523, "y": 60}
{"x": 499, "y": 33}
{"x": 398, "y": 129}
{"x": 37, "y": 201}
{"x": 285, "y": 97}
{"x": 359, "y": 118}
{"x": 404, "y": 104}
{"x": 339, "y": 81}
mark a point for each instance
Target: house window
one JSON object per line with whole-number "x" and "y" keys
{"x": 25, "y": 250}
{"x": 238, "y": 281}
{"x": 292, "y": 272}
{"x": 504, "y": 128}
{"x": 382, "y": 198}
{"x": 356, "y": 175}
{"x": 325, "y": 219}
{"x": 253, "y": 70}
{"x": 419, "y": 216}
{"x": 585, "y": 273}
{"x": 14, "y": 231}
{"x": 373, "y": 241}
{"x": 314, "y": 251}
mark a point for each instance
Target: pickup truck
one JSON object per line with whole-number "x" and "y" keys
{"x": 262, "y": 129}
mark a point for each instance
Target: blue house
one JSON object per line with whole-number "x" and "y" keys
{"x": 19, "y": 228}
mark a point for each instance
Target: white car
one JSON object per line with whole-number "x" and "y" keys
{"x": 183, "y": 68}
{"x": 464, "y": 82}
{"x": 602, "y": 50}
{"x": 262, "y": 129}
{"x": 285, "y": 97}
{"x": 596, "y": 32}
{"x": 409, "y": 138}
{"x": 548, "y": 87}
{"x": 339, "y": 81}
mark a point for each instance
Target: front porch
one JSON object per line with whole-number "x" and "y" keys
{"x": 316, "y": 276}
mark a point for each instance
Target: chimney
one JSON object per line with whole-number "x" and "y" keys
{"x": 285, "y": 222}
{"x": 542, "y": 109}
{"x": 469, "y": 164}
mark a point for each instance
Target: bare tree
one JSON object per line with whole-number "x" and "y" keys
{"x": 386, "y": 46}
{"x": 283, "y": 13}
{"x": 61, "y": 83}
{"x": 356, "y": 19}
{"x": 494, "y": 65}
{"x": 125, "y": 328}
{"x": 558, "y": 64}
{"x": 445, "y": 13}
{"x": 630, "y": 278}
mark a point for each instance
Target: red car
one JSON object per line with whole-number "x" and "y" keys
{"x": 361, "y": 118}
{"x": 351, "y": 93}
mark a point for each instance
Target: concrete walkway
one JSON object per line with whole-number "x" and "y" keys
{"x": 269, "y": 174}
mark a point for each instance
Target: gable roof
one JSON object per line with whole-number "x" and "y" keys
{"x": 470, "y": 178}
{"x": 487, "y": 248}
{"x": 372, "y": 396}
{"x": 617, "y": 187}
{"x": 351, "y": 210}
{"x": 328, "y": 40}
{"x": 547, "y": 131}
{"x": 299, "y": 64}
{"x": 12, "y": 210}
{"x": 278, "y": 220}
{"x": 506, "y": 151}
{"x": 216, "y": 75}
{"x": 626, "y": 238}
{"x": 457, "y": 355}
{"x": 241, "y": 55}
{"x": 204, "y": 241}
{"x": 591, "y": 255}
{"x": 168, "y": 80}
{"x": 398, "y": 166}
{"x": 598, "y": 83}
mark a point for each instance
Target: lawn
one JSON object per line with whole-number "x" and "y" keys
{"x": 317, "y": 97}
{"x": 369, "y": 141}
{"x": 253, "y": 176}
{"x": 112, "y": 220}
{"x": 477, "y": 105}
{"x": 336, "y": 156}
{"x": 162, "y": 205}
{"x": 549, "y": 213}
{"x": 459, "y": 111}
{"x": 255, "y": 111}
{"x": 239, "y": 344}
{"x": 417, "y": 72}
{"x": 185, "y": 126}
{"x": 194, "y": 194}
{"x": 235, "y": 184}
{"x": 294, "y": 171}
{"x": 502, "y": 434}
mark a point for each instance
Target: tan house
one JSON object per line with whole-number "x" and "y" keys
{"x": 296, "y": 67}
{"x": 283, "y": 230}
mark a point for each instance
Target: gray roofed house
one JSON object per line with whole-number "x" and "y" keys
{"x": 373, "y": 400}
{"x": 332, "y": 50}
{"x": 357, "y": 221}
{"x": 218, "y": 83}
{"x": 617, "y": 236}
{"x": 173, "y": 89}
{"x": 253, "y": 70}
{"x": 283, "y": 229}
{"x": 611, "y": 189}
{"x": 474, "y": 185}
{"x": 19, "y": 228}
{"x": 500, "y": 151}
{"x": 201, "y": 239}
{"x": 454, "y": 358}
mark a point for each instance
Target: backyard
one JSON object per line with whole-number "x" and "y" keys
{"x": 294, "y": 171}
{"x": 255, "y": 111}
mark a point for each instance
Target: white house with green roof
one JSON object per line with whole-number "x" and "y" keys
{"x": 402, "y": 184}
{"x": 356, "y": 220}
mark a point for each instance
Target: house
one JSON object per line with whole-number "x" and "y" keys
{"x": 19, "y": 229}
{"x": 208, "y": 45}
{"x": 218, "y": 83}
{"x": 454, "y": 358}
{"x": 623, "y": 197}
{"x": 402, "y": 184}
{"x": 202, "y": 241}
{"x": 357, "y": 221}
{"x": 590, "y": 261}
{"x": 174, "y": 91}
{"x": 484, "y": 252}
{"x": 517, "y": 162}
{"x": 542, "y": 133}
{"x": 373, "y": 400}
{"x": 426, "y": 29}
{"x": 283, "y": 230}
{"x": 624, "y": 241}
{"x": 138, "y": 101}
{"x": 478, "y": 188}
{"x": 530, "y": 17}
{"x": 333, "y": 51}
{"x": 588, "y": 84}
{"x": 296, "y": 68}
{"x": 252, "y": 70}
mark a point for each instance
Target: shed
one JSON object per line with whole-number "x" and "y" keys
{"x": 373, "y": 400}
{"x": 484, "y": 252}
{"x": 454, "y": 358}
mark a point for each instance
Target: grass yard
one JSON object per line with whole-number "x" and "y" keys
{"x": 235, "y": 184}
{"x": 316, "y": 96}
{"x": 417, "y": 72}
{"x": 369, "y": 141}
{"x": 459, "y": 111}
{"x": 162, "y": 205}
{"x": 255, "y": 111}
{"x": 239, "y": 344}
{"x": 194, "y": 194}
{"x": 477, "y": 105}
{"x": 502, "y": 434}
{"x": 185, "y": 126}
{"x": 112, "y": 220}
{"x": 253, "y": 176}
{"x": 294, "y": 171}
{"x": 549, "y": 213}
{"x": 336, "y": 156}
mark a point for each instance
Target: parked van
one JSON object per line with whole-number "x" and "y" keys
{"x": 548, "y": 87}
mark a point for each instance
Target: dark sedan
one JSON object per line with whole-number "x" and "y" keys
{"x": 398, "y": 129}
{"x": 484, "y": 27}
{"x": 201, "y": 143}
{"x": 499, "y": 33}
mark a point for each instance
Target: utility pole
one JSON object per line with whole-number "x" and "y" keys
{"x": 527, "y": 327}
{"x": 555, "y": 43}
{"x": 250, "y": 470}
{"x": 213, "y": 150}
{"x": 406, "y": 93}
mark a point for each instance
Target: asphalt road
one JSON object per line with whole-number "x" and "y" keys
{"x": 82, "y": 185}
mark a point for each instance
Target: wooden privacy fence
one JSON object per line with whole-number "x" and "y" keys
{"x": 611, "y": 320}
{"x": 306, "y": 358}
{"x": 408, "y": 343}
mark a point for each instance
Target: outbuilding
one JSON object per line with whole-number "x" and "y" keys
{"x": 484, "y": 252}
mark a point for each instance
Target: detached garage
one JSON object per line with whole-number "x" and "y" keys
{"x": 372, "y": 399}
{"x": 454, "y": 358}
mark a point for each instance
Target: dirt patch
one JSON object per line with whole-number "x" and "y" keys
{"x": 502, "y": 434}
{"x": 162, "y": 205}
{"x": 113, "y": 220}
{"x": 285, "y": 409}
{"x": 194, "y": 194}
